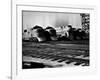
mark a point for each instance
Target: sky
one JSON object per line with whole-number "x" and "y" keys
{"x": 53, "y": 19}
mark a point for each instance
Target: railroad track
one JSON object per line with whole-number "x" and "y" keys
{"x": 56, "y": 54}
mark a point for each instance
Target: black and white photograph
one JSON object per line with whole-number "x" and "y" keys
{"x": 50, "y": 40}
{"x": 55, "y": 39}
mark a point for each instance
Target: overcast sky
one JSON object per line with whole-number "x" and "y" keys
{"x": 53, "y": 19}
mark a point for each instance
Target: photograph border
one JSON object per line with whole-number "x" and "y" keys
{"x": 17, "y": 73}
